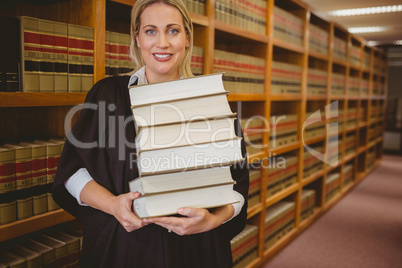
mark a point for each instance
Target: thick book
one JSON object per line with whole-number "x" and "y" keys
{"x": 8, "y": 208}
{"x": 74, "y": 58}
{"x": 60, "y": 57}
{"x": 87, "y": 58}
{"x": 186, "y": 133}
{"x": 169, "y": 203}
{"x": 47, "y": 253}
{"x": 30, "y": 46}
{"x": 172, "y": 182}
{"x": 181, "y": 158}
{"x": 46, "y": 56}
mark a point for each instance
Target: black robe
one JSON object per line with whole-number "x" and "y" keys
{"x": 106, "y": 243}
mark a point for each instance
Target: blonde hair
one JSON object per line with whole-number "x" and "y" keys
{"x": 135, "y": 52}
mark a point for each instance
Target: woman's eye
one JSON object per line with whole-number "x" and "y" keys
{"x": 149, "y": 31}
{"x": 173, "y": 31}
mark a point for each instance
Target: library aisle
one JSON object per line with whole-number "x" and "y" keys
{"x": 364, "y": 229}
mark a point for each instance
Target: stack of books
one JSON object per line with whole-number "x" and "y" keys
{"x": 243, "y": 73}
{"x": 286, "y": 78}
{"x": 348, "y": 174}
{"x": 288, "y": 27}
{"x": 117, "y": 53}
{"x": 354, "y": 86}
{"x": 307, "y": 204}
{"x": 282, "y": 173}
{"x": 314, "y": 125}
{"x": 332, "y": 185}
{"x": 254, "y": 186}
{"x": 245, "y": 246}
{"x": 355, "y": 55}
{"x": 319, "y": 40}
{"x": 350, "y": 143}
{"x": 197, "y": 61}
{"x": 195, "y": 6}
{"x": 336, "y": 119}
{"x": 340, "y": 48}
{"x": 247, "y": 14}
{"x": 312, "y": 164}
{"x": 283, "y": 130}
{"x": 27, "y": 172}
{"x": 372, "y": 132}
{"x": 338, "y": 84}
{"x": 317, "y": 81}
{"x": 185, "y": 145}
{"x": 253, "y": 132}
{"x": 279, "y": 220}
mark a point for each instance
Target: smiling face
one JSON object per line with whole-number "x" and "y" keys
{"x": 162, "y": 40}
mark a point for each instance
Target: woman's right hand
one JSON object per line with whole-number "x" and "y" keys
{"x": 97, "y": 196}
{"x": 122, "y": 211}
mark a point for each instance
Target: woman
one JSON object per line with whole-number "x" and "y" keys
{"x": 93, "y": 174}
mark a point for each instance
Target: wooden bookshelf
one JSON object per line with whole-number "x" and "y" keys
{"x": 211, "y": 34}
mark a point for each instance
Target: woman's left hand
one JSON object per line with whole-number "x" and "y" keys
{"x": 196, "y": 220}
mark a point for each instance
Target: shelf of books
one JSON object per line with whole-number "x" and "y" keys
{"x": 311, "y": 109}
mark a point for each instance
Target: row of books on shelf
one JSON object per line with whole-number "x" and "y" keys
{"x": 27, "y": 171}
{"x": 245, "y": 246}
{"x": 46, "y": 56}
{"x": 317, "y": 81}
{"x": 311, "y": 161}
{"x": 319, "y": 40}
{"x": 255, "y": 178}
{"x": 371, "y": 157}
{"x": 332, "y": 185}
{"x": 307, "y": 204}
{"x": 55, "y": 247}
{"x": 243, "y": 73}
{"x": 247, "y": 14}
{"x": 286, "y": 78}
{"x": 253, "y": 132}
{"x": 283, "y": 129}
{"x": 117, "y": 53}
{"x": 195, "y": 6}
{"x": 339, "y": 51}
{"x": 355, "y": 55}
{"x": 282, "y": 173}
{"x": 288, "y": 27}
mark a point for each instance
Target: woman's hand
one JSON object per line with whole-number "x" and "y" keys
{"x": 121, "y": 208}
{"x": 196, "y": 220}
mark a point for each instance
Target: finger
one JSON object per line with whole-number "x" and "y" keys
{"x": 190, "y": 212}
{"x": 133, "y": 195}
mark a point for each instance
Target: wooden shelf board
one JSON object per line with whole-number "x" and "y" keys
{"x": 316, "y": 97}
{"x": 255, "y": 263}
{"x": 221, "y": 26}
{"x": 246, "y": 97}
{"x": 339, "y": 62}
{"x": 282, "y": 194}
{"x": 34, "y": 99}
{"x": 314, "y": 140}
{"x": 337, "y": 97}
{"x": 307, "y": 222}
{"x": 348, "y": 188}
{"x": 254, "y": 210}
{"x": 355, "y": 67}
{"x": 353, "y": 97}
{"x": 270, "y": 252}
{"x": 199, "y": 19}
{"x": 333, "y": 201}
{"x": 318, "y": 55}
{"x": 349, "y": 129}
{"x": 288, "y": 46}
{"x": 286, "y": 97}
{"x": 361, "y": 150}
{"x": 255, "y": 157}
{"x": 32, "y": 224}
{"x": 284, "y": 148}
{"x": 360, "y": 124}
{"x": 349, "y": 157}
{"x": 312, "y": 178}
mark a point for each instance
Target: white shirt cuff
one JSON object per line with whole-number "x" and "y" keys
{"x": 76, "y": 183}
{"x": 237, "y": 206}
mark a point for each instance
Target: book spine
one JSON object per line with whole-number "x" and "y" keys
{"x": 60, "y": 57}
{"x": 23, "y": 169}
{"x": 39, "y": 188}
{"x": 87, "y": 57}
{"x": 114, "y": 53}
{"x": 46, "y": 56}
{"x": 51, "y": 165}
{"x": 8, "y": 206}
{"x": 30, "y": 47}
{"x": 74, "y": 58}
{"x": 12, "y": 54}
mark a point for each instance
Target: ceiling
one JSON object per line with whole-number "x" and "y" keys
{"x": 393, "y": 21}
